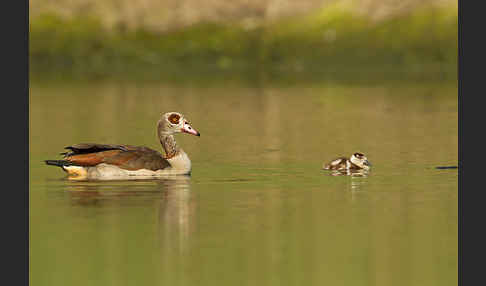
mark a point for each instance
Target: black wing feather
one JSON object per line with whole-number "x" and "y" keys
{"x": 84, "y": 148}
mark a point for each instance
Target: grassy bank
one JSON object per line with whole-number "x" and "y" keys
{"x": 327, "y": 41}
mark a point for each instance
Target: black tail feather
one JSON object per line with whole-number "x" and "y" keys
{"x": 59, "y": 163}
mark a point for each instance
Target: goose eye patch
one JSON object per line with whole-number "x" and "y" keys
{"x": 174, "y": 118}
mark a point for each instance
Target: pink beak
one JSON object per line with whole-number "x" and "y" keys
{"x": 187, "y": 128}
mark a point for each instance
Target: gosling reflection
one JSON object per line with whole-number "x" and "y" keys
{"x": 352, "y": 173}
{"x": 357, "y": 184}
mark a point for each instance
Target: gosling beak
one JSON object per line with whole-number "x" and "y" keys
{"x": 187, "y": 128}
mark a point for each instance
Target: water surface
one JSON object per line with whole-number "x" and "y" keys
{"x": 258, "y": 209}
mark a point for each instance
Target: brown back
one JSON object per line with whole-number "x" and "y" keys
{"x": 124, "y": 156}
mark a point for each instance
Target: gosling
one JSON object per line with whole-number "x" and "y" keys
{"x": 357, "y": 161}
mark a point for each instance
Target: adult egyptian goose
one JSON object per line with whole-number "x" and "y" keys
{"x": 357, "y": 161}
{"x": 109, "y": 161}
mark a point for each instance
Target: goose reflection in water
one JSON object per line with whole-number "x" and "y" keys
{"x": 176, "y": 215}
{"x": 170, "y": 197}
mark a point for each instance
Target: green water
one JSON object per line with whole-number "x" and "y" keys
{"x": 257, "y": 209}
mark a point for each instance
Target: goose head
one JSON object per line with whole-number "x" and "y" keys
{"x": 360, "y": 160}
{"x": 174, "y": 122}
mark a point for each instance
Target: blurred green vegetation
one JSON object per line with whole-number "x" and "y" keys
{"x": 329, "y": 40}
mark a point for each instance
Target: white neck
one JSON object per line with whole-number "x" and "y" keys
{"x": 181, "y": 163}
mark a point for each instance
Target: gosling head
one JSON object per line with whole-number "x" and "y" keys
{"x": 360, "y": 160}
{"x": 174, "y": 122}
